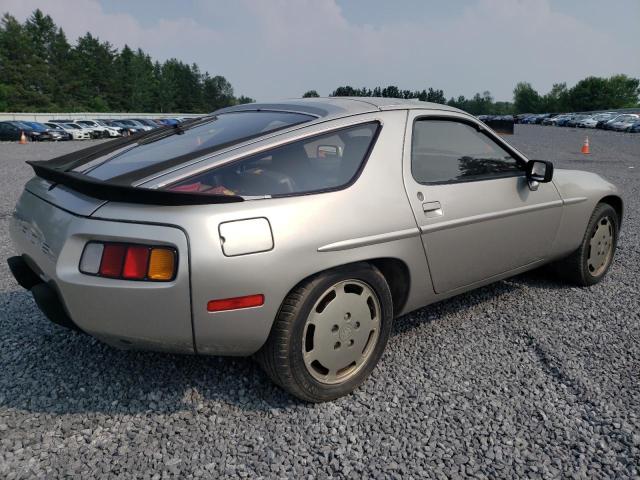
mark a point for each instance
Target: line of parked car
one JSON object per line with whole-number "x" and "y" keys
{"x": 620, "y": 122}
{"x": 67, "y": 129}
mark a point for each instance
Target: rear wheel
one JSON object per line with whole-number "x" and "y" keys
{"x": 330, "y": 333}
{"x": 591, "y": 261}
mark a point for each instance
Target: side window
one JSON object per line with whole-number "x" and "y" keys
{"x": 323, "y": 162}
{"x": 444, "y": 151}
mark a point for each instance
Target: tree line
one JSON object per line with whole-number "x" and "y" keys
{"x": 591, "y": 93}
{"x": 41, "y": 71}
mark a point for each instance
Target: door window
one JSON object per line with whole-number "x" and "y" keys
{"x": 445, "y": 151}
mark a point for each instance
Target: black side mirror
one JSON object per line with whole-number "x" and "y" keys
{"x": 539, "y": 171}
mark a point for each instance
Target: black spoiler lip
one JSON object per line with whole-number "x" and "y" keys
{"x": 123, "y": 193}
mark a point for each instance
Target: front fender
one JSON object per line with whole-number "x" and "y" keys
{"x": 581, "y": 192}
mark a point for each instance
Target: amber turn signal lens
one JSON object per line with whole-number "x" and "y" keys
{"x": 161, "y": 264}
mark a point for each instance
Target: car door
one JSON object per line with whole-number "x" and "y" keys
{"x": 478, "y": 215}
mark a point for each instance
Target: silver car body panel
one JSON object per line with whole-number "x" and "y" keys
{"x": 468, "y": 234}
{"x": 123, "y": 313}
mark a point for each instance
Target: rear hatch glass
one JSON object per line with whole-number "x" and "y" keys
{"x": 179, "y": 145}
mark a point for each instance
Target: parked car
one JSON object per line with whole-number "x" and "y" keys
{"x": 540, "y": 118}
{"x": 53, "y": 133}
{"x": 10, "y": 132}
{"x": 13, "y": 129}
{"x": 575, "y": 119}
{"x": 551, "y": 119}
{"x": 89, "y": 132}
{"x": 103, "y": 131}
{"x": 127, "y": 129}
{"x": 77, "y": 132}
{"x": 622, "y": 122}
{"x": 135, "y": 124}
{"x": 635, "y": 127}
{"x": 592, "y": 121}
{"x": 148, "y": 122}
{"x": 563, "y": 120}
{"x": 521, "y": 116}
{"x": 169, "y": 121}
{"x": 255, "y": 231}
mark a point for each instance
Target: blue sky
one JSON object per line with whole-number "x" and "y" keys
{"x": 272, "y": 49}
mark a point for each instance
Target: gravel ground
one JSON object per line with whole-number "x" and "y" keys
{"x": 524, "y": 378}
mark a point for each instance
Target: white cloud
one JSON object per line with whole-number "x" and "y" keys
{"x": 281, "y": 48}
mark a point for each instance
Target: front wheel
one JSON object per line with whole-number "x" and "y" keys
{"x": 591, "y": 261}
{"x": 330, "y": 333}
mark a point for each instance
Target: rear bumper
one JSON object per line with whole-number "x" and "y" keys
{"x": 46, "y": 297}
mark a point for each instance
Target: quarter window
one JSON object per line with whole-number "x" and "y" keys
{"x": 324, "y": 162}
{"x": 444, "y": 151}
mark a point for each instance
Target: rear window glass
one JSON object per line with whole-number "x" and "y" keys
{"x": 319, "y": 163}
{"x": 223, "y": 130}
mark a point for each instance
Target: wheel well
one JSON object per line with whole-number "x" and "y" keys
{"x": 616, "y": 203}
{"x": 396, "y": 273}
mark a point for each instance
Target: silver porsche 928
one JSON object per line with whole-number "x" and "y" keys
{"x": 297, "y": 231}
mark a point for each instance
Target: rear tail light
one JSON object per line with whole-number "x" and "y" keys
{"x": 129, "y": 261}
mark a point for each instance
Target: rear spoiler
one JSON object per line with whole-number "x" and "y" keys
{"x": 59, "y": 171}
{"x": 114, "y": 192}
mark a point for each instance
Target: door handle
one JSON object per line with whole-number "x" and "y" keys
{"x": 432, "y": 209}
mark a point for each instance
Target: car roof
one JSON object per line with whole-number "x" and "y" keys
{"x": 337, "y": 107}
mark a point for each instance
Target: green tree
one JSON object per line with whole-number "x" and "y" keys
{"x": 310, "y": 94}
{"x": 218, "y": 93}
{"x": 21, "y": 69}
{"x": 525, "y": 98}
{"x": 242, "y": 100}
{"x": 623, "y": 91}
{"x": 557, "y": 100}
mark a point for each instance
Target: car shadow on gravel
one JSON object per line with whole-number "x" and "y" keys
{"x": 542, "y": 278}
{"x": 49, "y": 369}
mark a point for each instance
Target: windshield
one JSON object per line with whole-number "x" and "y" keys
{"x": 72, "y": 125}
{"x": 207, "y": 136}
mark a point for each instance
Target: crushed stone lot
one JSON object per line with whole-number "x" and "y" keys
{"x": 525, "y": 378}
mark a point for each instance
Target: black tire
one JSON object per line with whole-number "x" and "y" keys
{"x": 575, "y": 268}
{"x": 281, "y": 357}
{"x": 105, "y": 134}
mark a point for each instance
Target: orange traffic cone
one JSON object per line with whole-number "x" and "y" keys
{"x": 23, "y": 138}
{"x": 585, "y": 146}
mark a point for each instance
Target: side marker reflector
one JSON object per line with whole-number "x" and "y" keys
{"x": 235, "y": 303}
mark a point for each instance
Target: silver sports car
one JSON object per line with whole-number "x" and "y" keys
{"x": 297, "y": 231}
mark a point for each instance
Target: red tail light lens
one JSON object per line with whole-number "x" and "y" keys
{"x": 135, "y": 263}
{"x": 112, "y": 260}
{"x": 129, "y": 261}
